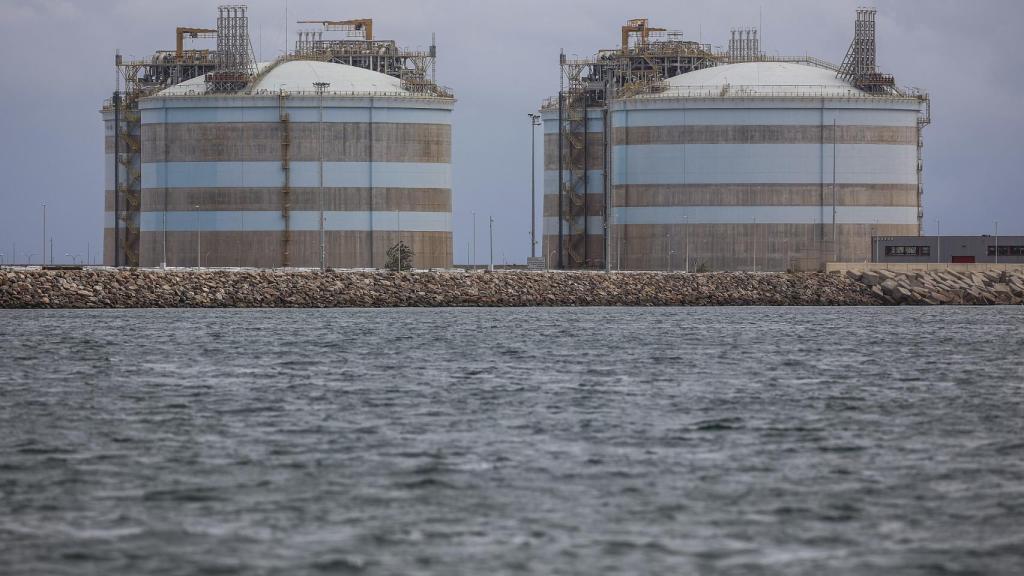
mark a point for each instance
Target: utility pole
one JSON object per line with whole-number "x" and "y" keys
{"x": 755, "y": 245}
{"x": 491, "y": 244}
{"x": 44, "y": 234}
{"x": 686, "y": 233}
{"x": 534, "y": 122}
{"x": 320, "y": 87}
{"x": 199, "y": 239}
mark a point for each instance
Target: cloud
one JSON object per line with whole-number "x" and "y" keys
{"x": 27, "y": 11}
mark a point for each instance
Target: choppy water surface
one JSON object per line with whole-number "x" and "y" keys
{"x": 584, "y": 441}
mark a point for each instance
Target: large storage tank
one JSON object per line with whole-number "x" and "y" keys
{"x": 760, "y": 164}
{"x": 666, "y": 154}
{"x": 235, "y": 179}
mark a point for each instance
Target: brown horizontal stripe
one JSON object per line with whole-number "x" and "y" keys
{"x": 343, "y": 199}
{"x": 261, "y": 142}
{"x": 129, "y": 199}
{"x": 742, "y": 134}
{"x": 764, "y": 195}
{"x": 345, "y": 249}
{"x": 595, "y": 151}
{"x": 594, "y": 253}
{"x": 731, "y": 246}
{"x": 595, "y": 204}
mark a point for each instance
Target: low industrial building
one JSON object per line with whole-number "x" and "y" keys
{"x": 948, "y": 249}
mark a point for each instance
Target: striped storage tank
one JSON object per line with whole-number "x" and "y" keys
{"x": 766, "y": 166}
{"x": 241, "y": 180}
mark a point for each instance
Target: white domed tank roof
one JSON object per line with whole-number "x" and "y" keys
{"x": 761, "y": 79}
{"x": 299, "y": 76}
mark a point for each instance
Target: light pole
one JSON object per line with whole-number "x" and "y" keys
{"x": 398, "y": 224}
{"x": 44, "y": 233}
{"x": 490, "y": 243}
{"x": 938, "y": 241}
{"x": 686, "y": 234}
{"x": 754, "y": 255}
{"x": 473, "y": 263}
{"x": 671, "y": 248}
{"x": 320, "y": 87}
{"x": 199, "y": 239}
{"x": 534, "y": 122}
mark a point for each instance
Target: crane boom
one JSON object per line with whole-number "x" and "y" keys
{"x": 639, "y": 26}
{"x": 181, "y": 32}
{"x": 364, "y": 25}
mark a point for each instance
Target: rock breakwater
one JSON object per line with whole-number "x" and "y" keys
{"x": 935, "y": 287}
{"x": 108, "y": 288}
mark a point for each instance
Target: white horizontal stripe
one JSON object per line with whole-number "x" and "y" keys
{"x": 594, "y": 124}
{"x": 764, "y": 215}
{"x": 300, "y": 220}
{"x": 303, "y": 174}
{"x": 763, "y": 164}
{"x": 108, "y": 171}
{"x": 595, "y": 225}
{"x": 759, "y": 115}
{"x": 295, "y": 114}
{"x": 108, "y": 219}
{"x": 595, "y": 181}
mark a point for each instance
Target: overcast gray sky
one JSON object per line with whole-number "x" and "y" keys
{"x": 501, "y": 59}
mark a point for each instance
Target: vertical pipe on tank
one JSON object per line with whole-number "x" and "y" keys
{"x": 561, "y": 98}
{"x": 370, "y": 159}
{"x": 609, "y": 214}
{"x": 117, "y": 177}
{"x": 821, "y": 185}
{"x": 835, "y": 247}
{"x": 163, "y": 132}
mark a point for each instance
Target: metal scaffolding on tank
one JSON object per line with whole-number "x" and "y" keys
{"x": 647, "y": 56}
{"x": 138, "y": 79}
{"x": 415, "y": 68}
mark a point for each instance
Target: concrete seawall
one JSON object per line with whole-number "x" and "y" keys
{"x": 108, "y": 288}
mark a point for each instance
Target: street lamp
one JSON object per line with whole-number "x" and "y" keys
{"x": 199, "y": 239}
{"x": 534, "y": 122}
{"x": 490, "y": 243}
{"x": 44, "y": 233}
{"x": 686, "y": 234}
